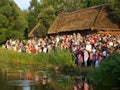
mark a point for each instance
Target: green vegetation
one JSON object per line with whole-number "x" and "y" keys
{"x": 58, "y": 58}
{"x": 109, "y": 71}
{"x": 115, "y": 4}
{"x": 12, "y": 21}
{"x": 44, "y": 12}
{"x": 16, "y": 24}
{"x": 107, "y": 74}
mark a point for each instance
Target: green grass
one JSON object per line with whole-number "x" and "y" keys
{"x": 108, "y": 73}
{"x": 58, "y": 58}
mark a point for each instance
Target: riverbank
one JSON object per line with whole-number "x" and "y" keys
{"x": 59, "y": 58}
{"x": 62, "y": 62}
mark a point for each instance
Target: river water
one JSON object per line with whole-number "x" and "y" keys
{"x": 32, "y": 78}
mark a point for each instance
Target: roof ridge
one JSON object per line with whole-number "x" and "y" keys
{"x": 66, "y": 13}
{"x": 93, "y": 27}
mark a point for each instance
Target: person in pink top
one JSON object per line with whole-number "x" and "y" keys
{"x": 86, "y": 56}
{"x": 80, "y": 59}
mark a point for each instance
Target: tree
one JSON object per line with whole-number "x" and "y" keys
{"x": 46, "y": 17}
{"x": 45, "y": 11}
{"x": 116, "y": 8}
{"x": 12, "y": 20}
{"x": 109, "y": 71}
{"x": 33, "y": 11}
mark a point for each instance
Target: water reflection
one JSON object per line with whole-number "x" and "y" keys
{"x": 26, "y": 88}
{"x": 21, "y": 88}
{"x": 21, "y": 82}
{"x": 81, "y": 84}
{"x": 36, "y": 79}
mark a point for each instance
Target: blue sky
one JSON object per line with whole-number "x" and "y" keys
{"x": 23, "y": 4}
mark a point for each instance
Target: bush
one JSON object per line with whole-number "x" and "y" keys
{"x": 109, "y": 71}
{"x": 60, "y": 57}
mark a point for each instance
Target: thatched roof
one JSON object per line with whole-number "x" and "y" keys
{"x": 93, "y": 18}
{"x": 34, "y": 31}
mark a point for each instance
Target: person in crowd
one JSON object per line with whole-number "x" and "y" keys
{"x": 91, "y": 59}
{"x": 97, "y": 59}
{"x": 80, "y": 59}
{"x": 86, "y": 57}
{"x": 75, "y": 43}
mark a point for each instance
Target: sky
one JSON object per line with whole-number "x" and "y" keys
{"x": 23, "y": 4}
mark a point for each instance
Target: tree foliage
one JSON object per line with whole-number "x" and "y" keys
{"x": 44, "y": 12}
{"x": 12, "y": 21}
{"x": 109, "y": 71}
{"x": 116, "y": 8}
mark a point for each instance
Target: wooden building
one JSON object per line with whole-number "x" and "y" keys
{"x": 96, "y": 19}
{"x": 34, "y": 31}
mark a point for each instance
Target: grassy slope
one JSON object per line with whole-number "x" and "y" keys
{"x": 59, "y": 58}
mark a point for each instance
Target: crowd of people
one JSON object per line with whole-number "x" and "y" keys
{"x": 87, "y": 50}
